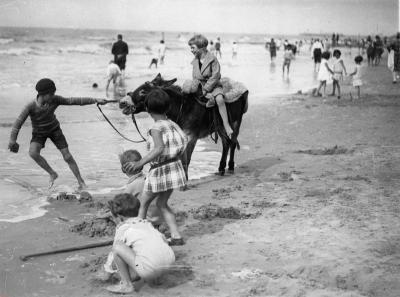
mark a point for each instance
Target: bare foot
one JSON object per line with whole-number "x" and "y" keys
{"x": 229, "y": 132}
{"x": 53, "y": 177}
{"x": 103, "y": 276}
{"x": 121, "y": 288}
{"x": 82, "y": 186}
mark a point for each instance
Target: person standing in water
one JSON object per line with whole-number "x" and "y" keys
{"x": 161, "y": 51}
{"x": 114, "y": 74}
{"x": 218, "y": 48}
{"x": 45, "y": 125}
{"x": 120, "y": 50}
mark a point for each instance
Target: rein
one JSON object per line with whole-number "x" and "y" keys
{"x": 180, "y": 111}
{"x": 116, "y": 130}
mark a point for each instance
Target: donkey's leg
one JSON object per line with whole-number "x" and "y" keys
{"x": 222, "y": 162}
{"x": 187, "y": 156}
{"x": 233, "y": 144}
{"x": 231, "y": 164}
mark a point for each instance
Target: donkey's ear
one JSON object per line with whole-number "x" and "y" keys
{"x": 157, "y": 80}
{"x": 168, "y": 83}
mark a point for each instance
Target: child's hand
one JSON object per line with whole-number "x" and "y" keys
{"x": 13, "y": 146}
{"x": 131, "y": 167}
{"x": 101, "y": 101}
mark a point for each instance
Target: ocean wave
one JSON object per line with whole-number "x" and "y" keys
{"x": 83, "y": 48}
{"x": 5, "y": 85}
{"x": 141, "y": 50}
{"x": 97, "y": 38}
{"x": 19, "y": 51}
{"x": 6, "y": 40}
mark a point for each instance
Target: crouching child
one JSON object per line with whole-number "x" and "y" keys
{"x": 140, "y": 251}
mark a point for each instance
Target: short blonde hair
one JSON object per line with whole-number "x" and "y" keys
{"x": 199, "y": 40}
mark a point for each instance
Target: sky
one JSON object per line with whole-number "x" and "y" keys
{"x": 233, "y": 16}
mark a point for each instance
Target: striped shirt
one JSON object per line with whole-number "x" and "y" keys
{"x": 43, "y": 118}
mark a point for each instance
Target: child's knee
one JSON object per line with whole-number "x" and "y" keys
{"x": 68, "y": 157}
{"x": 34, "y": 154}
{"x": 161, "y": 204}
{"x": 219, "y": 99}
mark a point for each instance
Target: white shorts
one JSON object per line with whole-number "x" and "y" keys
{"x": 337, "y": 76}
{"x": 357, "y": 82}
{"x": 150, "y": 269}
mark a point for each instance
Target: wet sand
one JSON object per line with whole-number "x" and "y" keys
{"x": 312, "y": 210}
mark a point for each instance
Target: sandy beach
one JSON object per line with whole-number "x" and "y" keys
{"x": 312, "y": 210}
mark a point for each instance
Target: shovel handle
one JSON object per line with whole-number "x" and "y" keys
{"x": 69, "y": 249}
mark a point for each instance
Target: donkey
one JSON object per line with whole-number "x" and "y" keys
{"x": 190, "y": 113}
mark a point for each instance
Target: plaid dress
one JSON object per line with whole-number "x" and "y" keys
{"x": 166, "y": 173}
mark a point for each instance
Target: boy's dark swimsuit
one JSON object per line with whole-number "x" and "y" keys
{"x": 44, "y": 122}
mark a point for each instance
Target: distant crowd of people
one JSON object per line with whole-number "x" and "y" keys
{"x": 321, "y": 51}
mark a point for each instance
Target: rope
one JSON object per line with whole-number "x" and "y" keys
{"x": 116, "y": 130}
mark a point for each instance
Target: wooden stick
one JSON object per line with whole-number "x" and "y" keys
{"x": 70, "y": 249}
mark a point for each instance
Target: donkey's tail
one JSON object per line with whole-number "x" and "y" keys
{"x": 246, "y": 101}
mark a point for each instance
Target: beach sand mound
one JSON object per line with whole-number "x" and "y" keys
{"x": 95, "y": 227}
{"x": 211, "y": 211}
{"x": 335, "y": 150}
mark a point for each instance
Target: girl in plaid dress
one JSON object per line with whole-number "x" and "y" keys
{"x": 166, "y": 144}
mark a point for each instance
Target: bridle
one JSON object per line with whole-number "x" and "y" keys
{"x": 116, "y": 130}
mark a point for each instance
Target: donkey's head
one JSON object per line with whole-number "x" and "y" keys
{"x": 133, "y": 102}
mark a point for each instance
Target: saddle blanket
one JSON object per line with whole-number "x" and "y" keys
{"x": 231, "y": 89}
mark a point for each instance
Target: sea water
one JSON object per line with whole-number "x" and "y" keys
{"x": 75, "y": 60}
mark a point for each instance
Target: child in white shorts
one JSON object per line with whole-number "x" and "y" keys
{"x": 139, "y": 250}
{"x": 357, "y": 75}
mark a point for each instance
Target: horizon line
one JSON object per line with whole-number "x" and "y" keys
{"x": 205, "y": 32}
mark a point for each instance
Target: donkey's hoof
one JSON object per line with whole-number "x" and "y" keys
{"x": 184, "y": 188}
{"x": 231, "y": 171}
{"x": 220, "y": 172}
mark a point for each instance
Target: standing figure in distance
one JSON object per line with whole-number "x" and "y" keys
{"x": 120, "y": 50}
{"x": 218, "y": 48}
{"x": 114, "y": 74}
{"x": 272, "y": 50}
{"x": 287, "y": 58}
{"x": 161, "y": 52}
{"x": 316, "y": 52}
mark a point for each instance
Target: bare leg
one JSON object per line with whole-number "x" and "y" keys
{"x": 34, "y": 152}
{"x": 333, "y": 87}
{"x": 147, "y": 197}
{"x": 169, "y": 216}
{"x": 124, "y": 258}
{"x": 224, "y": 114}
{"x": 359, "y": 92}
{"x": 338, "y": 89}
{"x": 73, "y": 166}
{"x": 318, "y": 89}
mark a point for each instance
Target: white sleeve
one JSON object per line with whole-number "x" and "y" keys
{"x": 131, "y": 235}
